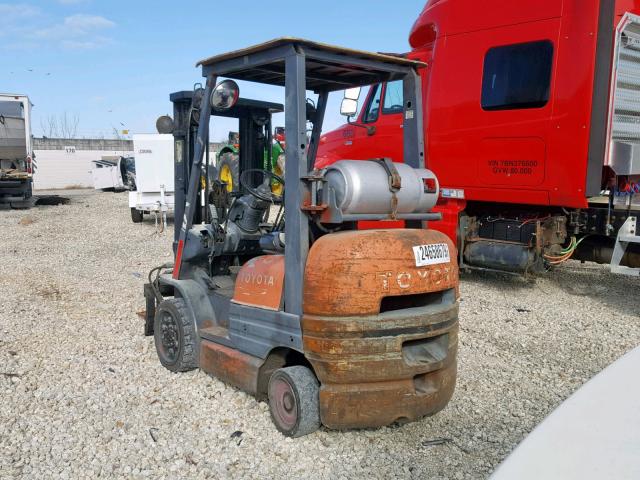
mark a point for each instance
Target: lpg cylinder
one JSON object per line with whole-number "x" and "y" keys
{"x": 362, "y": 187}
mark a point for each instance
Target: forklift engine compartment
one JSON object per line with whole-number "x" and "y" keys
{"x": 330, "y": 324}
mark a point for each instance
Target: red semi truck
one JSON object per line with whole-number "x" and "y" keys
{"x": 532, "y": 126}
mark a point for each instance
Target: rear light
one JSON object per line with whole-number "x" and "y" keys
{"x": 29, "y": 165}
{"x": 430, "y": 185}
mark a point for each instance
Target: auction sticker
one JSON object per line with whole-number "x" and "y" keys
{"x": 431, "y": 254}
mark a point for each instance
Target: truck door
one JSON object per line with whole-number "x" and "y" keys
{"x": 389, "y": 126}
{"x": 376, "y": 133}
{"x": 382, "y": 116}
{"x": 364, "y": 142}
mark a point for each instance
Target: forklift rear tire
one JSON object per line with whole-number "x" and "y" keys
{"x": 294, "y": 401}
{"x": 136, "y": 215}
{"x": 175, "y": 336}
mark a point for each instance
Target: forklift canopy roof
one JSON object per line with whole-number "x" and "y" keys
{"x": 328, "y": 68}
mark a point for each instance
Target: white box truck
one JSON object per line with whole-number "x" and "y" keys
{"x": 154, "y": 176}
{"x": 16, "y": 152}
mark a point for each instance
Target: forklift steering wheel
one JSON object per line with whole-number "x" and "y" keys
{"x": 263, "y": 191}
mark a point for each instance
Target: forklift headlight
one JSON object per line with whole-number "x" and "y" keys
{"x": 225, "y": 95}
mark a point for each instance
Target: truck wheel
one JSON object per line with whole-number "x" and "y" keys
{"x": 293, "y": 401}
{"x": 175, "y": 336}
{"x": 22, "y": 205}
{"x": 229, "y": 171}
{"x": 136, "y": 215}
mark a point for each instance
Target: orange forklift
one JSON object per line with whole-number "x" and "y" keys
{"x": 275, "y": 291}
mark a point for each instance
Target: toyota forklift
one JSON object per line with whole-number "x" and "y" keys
{"x": 331, "y": 325}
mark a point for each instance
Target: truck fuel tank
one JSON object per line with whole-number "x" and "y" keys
{"x": 363, "y": 187}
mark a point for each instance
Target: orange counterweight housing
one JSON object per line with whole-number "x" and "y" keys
{"x": 380, "y": 332}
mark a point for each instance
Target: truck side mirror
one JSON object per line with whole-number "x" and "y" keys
{"x": 349, "y": 106}
{"x": 352, "y": 93}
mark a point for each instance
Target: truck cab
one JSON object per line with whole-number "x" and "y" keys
{"x": 530, "y": 111}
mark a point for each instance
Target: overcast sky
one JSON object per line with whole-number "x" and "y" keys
{"x": 112, "y": 64}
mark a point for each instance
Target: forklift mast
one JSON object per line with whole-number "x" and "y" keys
{"x": 254, "y": 122}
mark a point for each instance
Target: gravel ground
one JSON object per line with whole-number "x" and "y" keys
{"x": 82, "y": 394}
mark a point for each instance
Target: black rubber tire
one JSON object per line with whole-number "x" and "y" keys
{"x": 22, "y": 205}
{"x": 231, "y": 160}
{"x": 136, "y": 215}
{"x": 185, "y": 357}
{"x": 305, "y": 389}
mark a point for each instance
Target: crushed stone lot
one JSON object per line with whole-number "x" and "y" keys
{"x": 83, "y": 395}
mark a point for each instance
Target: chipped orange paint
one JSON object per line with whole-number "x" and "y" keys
{"x": 357, "y": 352}
{"x": 349, "y": 273}
{"x": 260, "y": 282}
{"x": 371, "y": 405}
{"x": 230, "y": 365}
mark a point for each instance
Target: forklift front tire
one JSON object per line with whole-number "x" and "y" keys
{"x": 294, "y": 401}
{"x": 175, "y": 336}
{"x": 136, "y": 215}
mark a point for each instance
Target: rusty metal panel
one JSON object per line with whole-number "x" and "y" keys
{"x": 260, "y": 282}
{"x": 376, "y": 368}
{"x": 371, "y": 372}
{"x": 376, "y": 355}
{"x": 230, "y": 365}
{"x": 349, "y": 273}
{"x": 367, "y": 405}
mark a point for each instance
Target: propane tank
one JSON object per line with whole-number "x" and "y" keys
{"x": 362, "y": 187}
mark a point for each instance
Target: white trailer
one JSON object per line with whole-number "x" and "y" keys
{"x": 154, "y": 176}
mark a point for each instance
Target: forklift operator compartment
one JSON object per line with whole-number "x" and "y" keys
{"x": 273, "y": 289}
